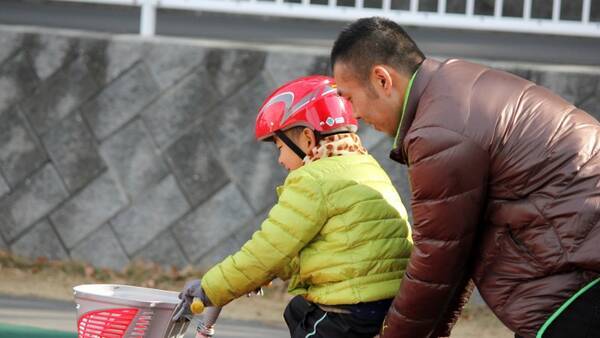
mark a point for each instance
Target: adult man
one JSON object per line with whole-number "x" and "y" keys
{"x": 505, "y": 180}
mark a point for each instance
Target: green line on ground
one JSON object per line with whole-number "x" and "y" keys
{"x": 16, "y": 331}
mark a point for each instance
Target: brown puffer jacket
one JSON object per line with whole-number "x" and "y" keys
{"x": 505, "y": 179}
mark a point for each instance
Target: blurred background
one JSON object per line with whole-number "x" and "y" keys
{"x": 126, "y": 126}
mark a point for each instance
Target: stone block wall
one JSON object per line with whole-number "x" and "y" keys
{"x": 119, "y": 148}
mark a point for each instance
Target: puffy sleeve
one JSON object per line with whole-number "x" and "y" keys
{"x": 292, "y": 223}
{"x": 448, "y": 176}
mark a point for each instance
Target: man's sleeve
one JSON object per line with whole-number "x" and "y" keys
{"x": 292, "y": 223}
{"x": 457, "y": 303}
{"x": 448, "y": 176}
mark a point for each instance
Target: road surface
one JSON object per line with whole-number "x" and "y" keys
{"x": 60, "y": 316}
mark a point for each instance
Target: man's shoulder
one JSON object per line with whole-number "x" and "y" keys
{"x": 461, "y": 64}
{"x": 471, "y": 73}
{"x": 466, "y": 98}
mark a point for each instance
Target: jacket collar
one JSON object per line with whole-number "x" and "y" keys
{"x": 336, "y": 145}
{"x": 424, "y": 75}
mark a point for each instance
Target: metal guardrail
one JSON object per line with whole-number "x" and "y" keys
{"x": 331, "y": 10}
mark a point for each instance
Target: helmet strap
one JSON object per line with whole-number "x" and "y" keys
{"x": 318, "y": 137}
{"x": 283, "y": 137}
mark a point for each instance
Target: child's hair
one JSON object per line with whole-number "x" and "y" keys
{"x": 294, "y": 132}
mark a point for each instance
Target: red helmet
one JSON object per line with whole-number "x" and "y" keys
{"x": 311, "y": 102}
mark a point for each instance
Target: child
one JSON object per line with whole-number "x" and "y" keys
{"x": 338, "y": 233}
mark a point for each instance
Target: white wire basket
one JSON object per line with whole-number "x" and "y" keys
{"x": 123, "y": 311}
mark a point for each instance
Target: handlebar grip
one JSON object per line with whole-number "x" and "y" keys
{"x": 197, "y": 306}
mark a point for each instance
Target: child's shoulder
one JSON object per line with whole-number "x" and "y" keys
{"x": 332, "y": 168}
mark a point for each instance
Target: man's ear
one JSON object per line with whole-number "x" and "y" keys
{"x": 381, "y": 79}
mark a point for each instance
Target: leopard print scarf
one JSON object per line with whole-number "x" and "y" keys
{"x": 336, "y": 145}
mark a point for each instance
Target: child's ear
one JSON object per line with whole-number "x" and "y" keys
{"x": 309, "y": 137}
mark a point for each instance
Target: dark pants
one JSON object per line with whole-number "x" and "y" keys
{"x": 581, "y": 319}
{"x": 306, "y": 320}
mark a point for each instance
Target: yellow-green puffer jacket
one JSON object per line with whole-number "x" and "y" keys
{"x": 339, "y": 232}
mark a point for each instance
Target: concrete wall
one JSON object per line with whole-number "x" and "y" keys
{"x": 117, "y": 148}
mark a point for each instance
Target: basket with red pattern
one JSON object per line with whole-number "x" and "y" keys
{"x": 122, "y": 311}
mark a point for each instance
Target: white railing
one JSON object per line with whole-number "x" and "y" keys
{"x": 411, "y": 16}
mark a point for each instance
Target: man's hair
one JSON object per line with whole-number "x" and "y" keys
{"x": 371, "y": 41}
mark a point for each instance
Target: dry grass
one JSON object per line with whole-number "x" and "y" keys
{"x": 477, "y": 321}
{"x": 55, "y": 279}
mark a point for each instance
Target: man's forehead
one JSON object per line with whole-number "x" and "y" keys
{"x": 341, "y": 70}
{"x": 343, "y": 76}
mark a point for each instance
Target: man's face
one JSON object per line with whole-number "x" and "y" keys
{"x": 370, "y": 101}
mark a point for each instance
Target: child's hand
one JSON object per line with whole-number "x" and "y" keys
{"x": 192, "y": 289}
